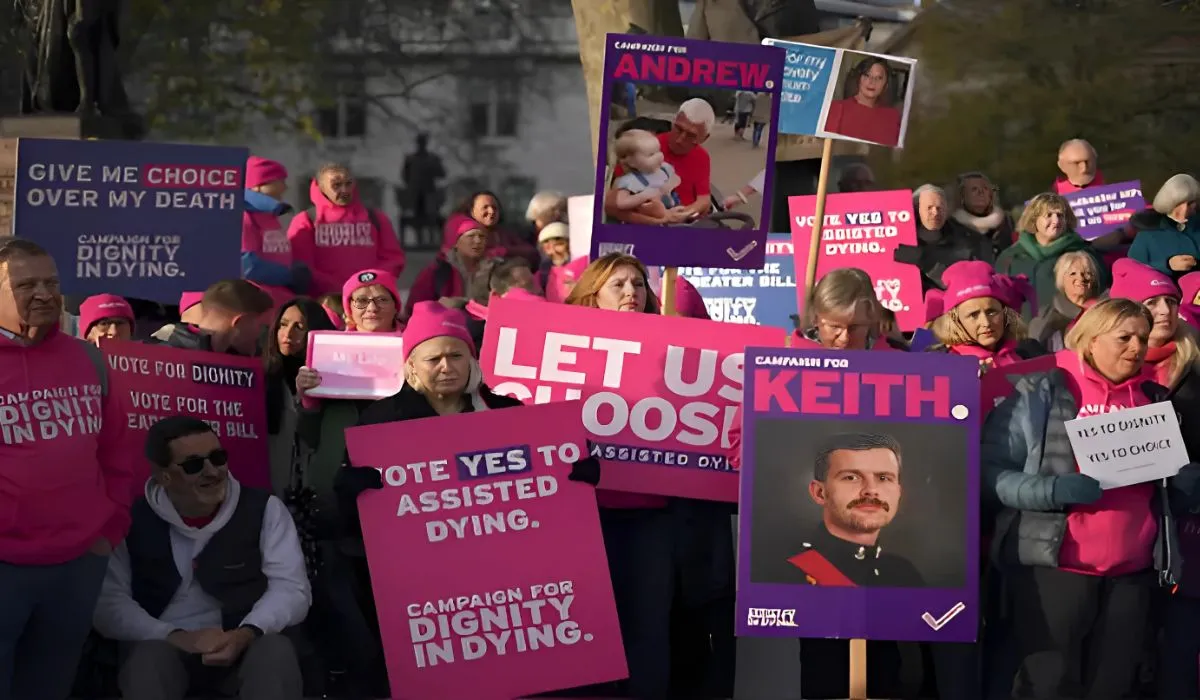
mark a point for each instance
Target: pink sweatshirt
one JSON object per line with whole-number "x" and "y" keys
{"x": 67, "y": 477}
{"x": 1115, "y": 535}
{"x": 342, "y": 241}
{"x": 263, "y": 235}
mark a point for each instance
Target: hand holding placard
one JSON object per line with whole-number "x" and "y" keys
{"x": 1130, "y": 446}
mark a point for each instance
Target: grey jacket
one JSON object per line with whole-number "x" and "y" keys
{"x": 1025, "y": 449}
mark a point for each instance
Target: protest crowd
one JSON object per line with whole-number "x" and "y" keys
{"x": 135, "y": 563}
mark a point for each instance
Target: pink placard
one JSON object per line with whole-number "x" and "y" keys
{"x": 356, "y": 365}
{"x": 863, "y": 230}
{"x": 659, "y": 393}
{"x": 487, "y": 562}
{"x": 225, "y": 390}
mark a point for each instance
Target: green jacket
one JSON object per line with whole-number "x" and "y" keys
{"x": 1028, "y": 257}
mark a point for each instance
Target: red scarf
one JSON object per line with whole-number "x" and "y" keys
{"x": 1158, "y": 360}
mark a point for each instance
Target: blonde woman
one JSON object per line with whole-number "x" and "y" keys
{"x": 843, "y": 313}
{"x": 978, "y": 315}
{"x": 1081, "y": 564}
{"x": 1047, "y": 232}
{"x": 1076, "y": 288}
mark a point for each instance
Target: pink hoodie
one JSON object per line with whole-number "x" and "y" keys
{"x": 1115, "y": 535}
{"x": 263, "y": 235}
{"x": 342, "y": 241}
{"x": 67, "y": 476}
{"x": 1003, "y": 356}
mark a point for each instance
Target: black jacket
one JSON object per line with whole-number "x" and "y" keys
{"x": 825, "y": 560}
{"x": 957, "y": 243}
{"x": 408, "y": 404}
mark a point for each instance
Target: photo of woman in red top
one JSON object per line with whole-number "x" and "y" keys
{"x": 865, "y": 112}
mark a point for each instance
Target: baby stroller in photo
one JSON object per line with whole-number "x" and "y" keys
{"x": 717, "y": 216}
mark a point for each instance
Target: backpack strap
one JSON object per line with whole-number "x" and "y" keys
{"x": 97, "y": 357}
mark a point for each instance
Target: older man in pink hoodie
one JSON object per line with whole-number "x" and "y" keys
{"x": 340, "y": 236}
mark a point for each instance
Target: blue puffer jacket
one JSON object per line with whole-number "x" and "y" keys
{"x": 1025, "y": 449}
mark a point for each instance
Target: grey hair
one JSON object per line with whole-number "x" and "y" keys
{"x": 927, "y": 188}
{"x": 1077, "y": 142}
{"x": 1081, "y": 257}
{"x": 698, "y": 111}
{"x": 544, "y": 203}
{"x": 854, "y": 442}
{"x": 1175, "y": 191}
{"x": 11, "y": 247}
{"x": 332, "y": 168}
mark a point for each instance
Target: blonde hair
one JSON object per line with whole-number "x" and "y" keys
{"x": 1044, "y": 203}
{"x": 1187, "y": 352}
{"x": 632, "y": 142}
{"x": 1063, "y": 267}
{"x": 596, "y": 275}
{"x": 841, "y": 291}
{"x": 949, "y": 330}
{"x": 1101, "y": 318}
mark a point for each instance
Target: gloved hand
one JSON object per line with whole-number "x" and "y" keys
{"x": 352, "y": 481}
{"x": 1187, "y": 481}
{"x": 1076, "y": 489}
{"x": 586, "y": 470}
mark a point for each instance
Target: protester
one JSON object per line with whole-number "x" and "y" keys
{"x": 340, "y": 235}
{"x": 66, "y": 490}
{"x": 231, "y": 319}
{"x": 545, "y": 208}
{"x": 941, "y": 241}
{"x": 1046, "y": 233}
{"x": 285, "y": 354}
{"x": 978, "y": 210}
{"x": 682, "y": 149}
{"x": 189, "y": 307}
{"x": 442, "y": 378}
{"x": 1077, "y": 557}
{"x": 184, "y": 622}
{"x": 266, "y": 251}
{"x": 449, "y": 276}
{"x": 372, "y": 301}
{"x": 483, "y": 208}
{"x": 501, "y": 277}
{"x": 1172, "y": 244}
{"x": 843, "y": 313}
{"x": 105, "y": 316}
{"x": 1078, "y": 164}
{"x": 1172, "y": 347}
{"x": 653, "y": 541}
{"x": 555, "y": 243}
{"x": 1075, "y": 276}
{"x": 975, "y": 317}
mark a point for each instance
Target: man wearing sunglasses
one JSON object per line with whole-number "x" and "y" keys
{"x": 209, "y": 582}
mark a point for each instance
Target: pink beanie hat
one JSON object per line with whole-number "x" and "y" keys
{"x": 1015, "y": 291}
{"x": 102, "y": 306}
{"x": 1139, "y": 282}
{"x": 974, "y": 279}
{"x": 189, "y": 299}
{"x": 1189, "y": 284}
{"x": 364, "y": 278}
{"x": 260, "y": 171}
{"x": 432, "y": 320}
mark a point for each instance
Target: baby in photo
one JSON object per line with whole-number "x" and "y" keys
{"x": 648, "y": 184}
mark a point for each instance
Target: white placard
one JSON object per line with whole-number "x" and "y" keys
{"x": 579, "y": 224}
{"x": 1131, "y": 446}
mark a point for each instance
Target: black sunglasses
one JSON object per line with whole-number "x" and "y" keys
{"x": 195, "y": 464}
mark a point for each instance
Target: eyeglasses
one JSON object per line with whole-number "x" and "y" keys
{"x": 195, "y": 464}
{"x": 361, "y": 303}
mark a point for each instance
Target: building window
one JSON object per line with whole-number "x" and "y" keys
{"x": 494, "y": 109}
{"x": 516, "y": 192}
{"x": 346, "y": 118}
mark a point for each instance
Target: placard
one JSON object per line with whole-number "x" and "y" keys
{"x": 358, "y": 366}
{"x": 657, "y": 178}
{"x": 223, "y": 390}
{"x": 135, "y": 219}
{"x": 1130, "y": 446}
{"x": 844, "y": 94}
{"x": 1103, "y": 209}
{"x": 755, "y": 297}
{"x": 503, "y": 589}
{"x": 659, "y": 394}
{"x": 859, "y": 510}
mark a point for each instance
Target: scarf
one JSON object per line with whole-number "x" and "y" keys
{"x": 1159, "y": 360}
{"x": 981, "y": 224}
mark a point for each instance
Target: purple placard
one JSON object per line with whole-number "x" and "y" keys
{"x": 913, "y": 572}
{"x": 713, "y": 71}
{"x": 1105, "y": 208}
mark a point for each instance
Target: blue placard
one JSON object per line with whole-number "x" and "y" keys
{"x": 141, "y": 220}
{"x": 765, "y": 297}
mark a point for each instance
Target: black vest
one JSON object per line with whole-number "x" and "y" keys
{"x": 229, "y": 568}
